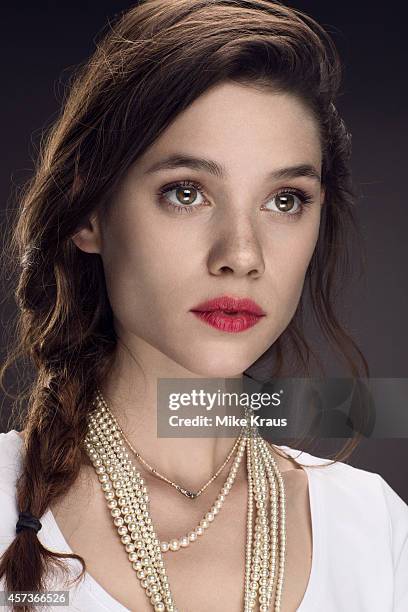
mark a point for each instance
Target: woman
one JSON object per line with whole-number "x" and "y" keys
{"x": 199, "y": 156}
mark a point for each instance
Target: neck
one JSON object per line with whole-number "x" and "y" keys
{"x": 131, "y": 395}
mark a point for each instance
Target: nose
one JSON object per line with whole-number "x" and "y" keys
{"x": 236, "y": 248}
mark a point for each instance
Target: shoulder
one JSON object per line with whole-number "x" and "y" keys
{"x": 11, "y": 446}
{"x": 362, "y": 498}
{"x": 351, "y": 482}
{"x": 366, "y": 522}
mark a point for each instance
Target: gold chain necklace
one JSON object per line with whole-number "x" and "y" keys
{"x": 178, "y": 543}
{"x": 128, "y": 500}
{"x": 183, "y": 490}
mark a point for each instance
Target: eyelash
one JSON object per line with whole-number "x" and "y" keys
{"x": 304, "y": 197}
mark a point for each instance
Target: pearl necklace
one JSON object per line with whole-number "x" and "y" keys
{"x": 179, "y": 488}
{"x": 127, "y": 498}
{"x": 176, "y": 544}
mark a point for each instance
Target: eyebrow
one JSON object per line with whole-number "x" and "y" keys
{"x": 212, "y": 167}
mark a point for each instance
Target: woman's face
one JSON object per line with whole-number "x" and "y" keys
{"x": 243, "y": 234}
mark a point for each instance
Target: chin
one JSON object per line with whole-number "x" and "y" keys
{"x": 220, "y": 366}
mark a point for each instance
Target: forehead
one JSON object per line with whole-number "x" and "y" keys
{"x": 242, "y": 126}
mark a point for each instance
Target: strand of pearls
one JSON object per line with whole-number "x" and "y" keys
{"x": 278, "y": 521}
{"x": 176, "y": 544}
{"x": 182, "y": 490}
{"x": 261, "y": 551}
{"x": 128, "y": 501}
{"x": 205, "y": 522}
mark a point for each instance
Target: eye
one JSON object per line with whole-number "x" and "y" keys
{"x": 182, "y": 196}
{"x": 186, "y": 196}
{"x": 290, "y": 202}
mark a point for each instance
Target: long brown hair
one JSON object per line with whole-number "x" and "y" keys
{"x": 156, "y": 60}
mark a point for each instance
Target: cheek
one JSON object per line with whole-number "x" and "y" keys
{"x": 147, "y": 268}
{"x": 288, "y": 261}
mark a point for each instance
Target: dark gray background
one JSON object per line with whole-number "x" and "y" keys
{"x": 41, "y": 44}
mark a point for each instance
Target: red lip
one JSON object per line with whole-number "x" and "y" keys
{"x": 231, "y": 305}
{"x": 229, "y": 314}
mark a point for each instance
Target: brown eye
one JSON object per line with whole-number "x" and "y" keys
{"x": 186, "y": 195}
{"x": 286, "y": 202}
{"x": 182, "y": 196}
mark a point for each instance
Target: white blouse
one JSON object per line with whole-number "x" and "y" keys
{"x": 359, "y": 528}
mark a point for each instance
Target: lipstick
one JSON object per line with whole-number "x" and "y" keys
{"x": 229, "y": 314}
